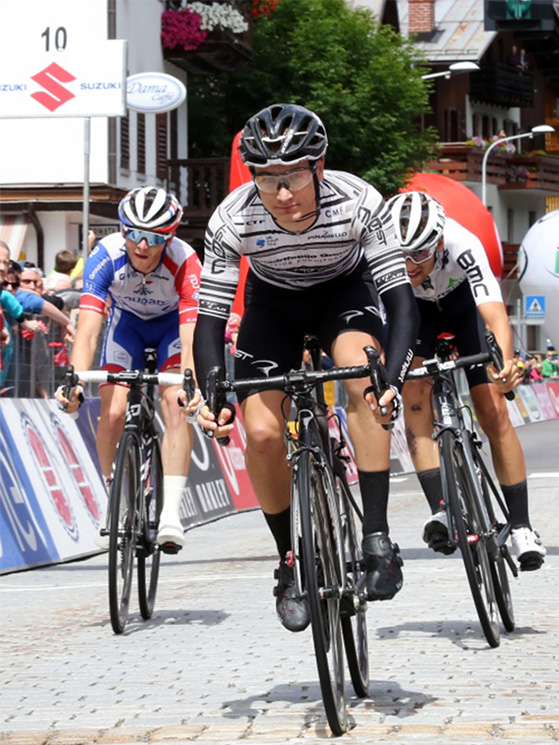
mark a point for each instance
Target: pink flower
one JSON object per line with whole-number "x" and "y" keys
{"x": 181, "y": 28}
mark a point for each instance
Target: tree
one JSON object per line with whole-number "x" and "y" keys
{"x": 359, "y": 76}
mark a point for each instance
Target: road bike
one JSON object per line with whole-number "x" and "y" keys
{"x": 136, "y": 490}
{"x": 326, "y": 548}
{"x": 478, "y": 518}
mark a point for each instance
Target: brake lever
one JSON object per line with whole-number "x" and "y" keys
{"x": 216, "y": 397}
{"x": 497, "y": 357}
{"x": 378, "y": 380}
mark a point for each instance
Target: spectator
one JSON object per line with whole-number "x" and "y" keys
{"x": 533, "y": 370}
{"x": 76, "y": 275}
{"x": 550, "y": 367}
{"x": 523, "y": 65}
{"x": 513, "y": 58}
{"x": 64, "y": 262}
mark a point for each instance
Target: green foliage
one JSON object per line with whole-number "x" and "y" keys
{"x": 360, "y": 77}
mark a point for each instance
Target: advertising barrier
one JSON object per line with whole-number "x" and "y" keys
{"x": 52, "y": 494}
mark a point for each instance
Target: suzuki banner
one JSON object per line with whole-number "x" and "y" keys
{"x": 84, "y": 83}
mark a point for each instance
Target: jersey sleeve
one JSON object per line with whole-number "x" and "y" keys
{"x": 373, "y": 228}
{"x": 187, "y": 284}
{"x": 220, "y": 273}
{"x": 11, "y": 305}
{"x": 97, "y": 278}
{"x": 473, "y": 261}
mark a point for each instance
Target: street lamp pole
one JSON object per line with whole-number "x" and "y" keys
{"x": 541, "y": 128}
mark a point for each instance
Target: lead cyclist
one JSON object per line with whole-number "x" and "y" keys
{"x": 322, "y": 252}
{"x": 151, "y": 279}
{"x": 457, "y": 292}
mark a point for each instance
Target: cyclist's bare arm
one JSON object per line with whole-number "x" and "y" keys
{"x": 495, "y": 317}
{"x": 83, "y": 353}
{"x": 52, "y": 312}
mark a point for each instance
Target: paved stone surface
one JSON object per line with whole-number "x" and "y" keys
{"x": 214, "y": 665}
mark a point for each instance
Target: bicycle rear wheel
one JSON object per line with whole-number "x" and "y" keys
{"x": 122, "y": 529}
{"x": 461, "y": 496}
{"x": 321, "y": 561}
{"x": 148, "y": 554}
{"x": 354, "y": 604}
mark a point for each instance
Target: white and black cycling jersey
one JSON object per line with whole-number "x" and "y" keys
{"x": 462, "y": 259}
{"x": 353, "y": 222}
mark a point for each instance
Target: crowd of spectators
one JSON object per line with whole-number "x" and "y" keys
{"x": 38, "y": 316}
{"x": 536, "y": 368}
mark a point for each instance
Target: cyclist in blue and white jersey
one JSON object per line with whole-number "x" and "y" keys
{"x": 457, "y": 292}
{"x": 152, "y": 280}
{"x": 322, "y": 252}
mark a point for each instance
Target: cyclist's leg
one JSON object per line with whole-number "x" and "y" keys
{"x": 270, "y": 341}
{"x": 350, "y": 322}
{"x": 177, "y": 442}
{"x": 122, "y": 350}
{"x": 508, "y": 461}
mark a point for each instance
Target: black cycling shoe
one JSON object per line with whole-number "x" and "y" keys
{"x": 382, "y": 562}
{"x": 292, "y": 610}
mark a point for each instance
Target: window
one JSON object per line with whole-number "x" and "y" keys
{"x": 161, "y": 146}
{"x": 141, "y": 143}
{"x": 125, "y": 142}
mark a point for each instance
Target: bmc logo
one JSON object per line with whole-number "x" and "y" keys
{"x": 50, "y": 78}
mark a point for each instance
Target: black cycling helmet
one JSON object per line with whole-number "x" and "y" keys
{"x": 282, "y": 134}
{"x": 150, "y": 208}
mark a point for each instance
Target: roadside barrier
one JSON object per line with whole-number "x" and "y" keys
{"x": 52, "y": 495}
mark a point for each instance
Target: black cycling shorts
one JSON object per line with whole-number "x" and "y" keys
{"x": 276, "y": 320}
{"x": 457, "y": 314}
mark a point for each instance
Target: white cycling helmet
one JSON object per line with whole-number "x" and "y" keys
{"x": 150, "y": 208}
{"x": 418, "y": 220}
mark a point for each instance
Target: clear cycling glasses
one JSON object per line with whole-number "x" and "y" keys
{"x": 153, "y": 239}
{"x": 292, "y": 180}
{"x": 418, "y": 256}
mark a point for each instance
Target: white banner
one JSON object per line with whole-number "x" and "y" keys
{"x": 84, "y": 83}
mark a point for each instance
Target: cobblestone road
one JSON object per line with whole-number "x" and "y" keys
{"x": 214, "y": 665}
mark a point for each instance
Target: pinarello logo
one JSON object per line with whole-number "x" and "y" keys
{"x": 49, "y": 477}
{"x": 50, "y": 79}
{"x": 73, "y": 461}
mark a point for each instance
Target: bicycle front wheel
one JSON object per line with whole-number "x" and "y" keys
{"x": 462, "y": 499}
{"x": 354, "y": 603}
{"x": 148, "y": 554}
{"x": 321, "y": 561}
{"x": 122, "y": 529}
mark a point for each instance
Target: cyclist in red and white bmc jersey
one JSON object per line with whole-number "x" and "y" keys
{"x": 322, "y": 251}
{"x": 151, "y": 279}
{"x": 457, "y": 292}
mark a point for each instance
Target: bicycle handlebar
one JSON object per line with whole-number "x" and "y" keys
{"x": 433, "y": 366}
{"x": 124, "y": 376}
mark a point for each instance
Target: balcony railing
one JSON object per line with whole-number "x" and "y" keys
{"x": 463, "y": 163}
{"x": 510, "y": 257}
{"x": 200, "y": 184}
{"x": 503, "y": 85}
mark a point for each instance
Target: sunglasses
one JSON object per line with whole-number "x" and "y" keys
{"x": 7, "y": 284}
{"x": 420, "y": 255}
{"x": 292, "y": 180}
{"x": 153, "y": 239}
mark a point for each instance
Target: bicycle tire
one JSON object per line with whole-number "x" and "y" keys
{"x": 463, "y": 508}
{"x": 122, "y": 529}
{"x": 322, "y": 583}
{"x": 354, "y": 605}
{"x": 148, "y": 554}
{"x": 499, "y": 572}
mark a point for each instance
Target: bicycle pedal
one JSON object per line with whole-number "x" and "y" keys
{"x": 170, "y": 548}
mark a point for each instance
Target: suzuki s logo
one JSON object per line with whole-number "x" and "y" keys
{"x": 50, "y": 78}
